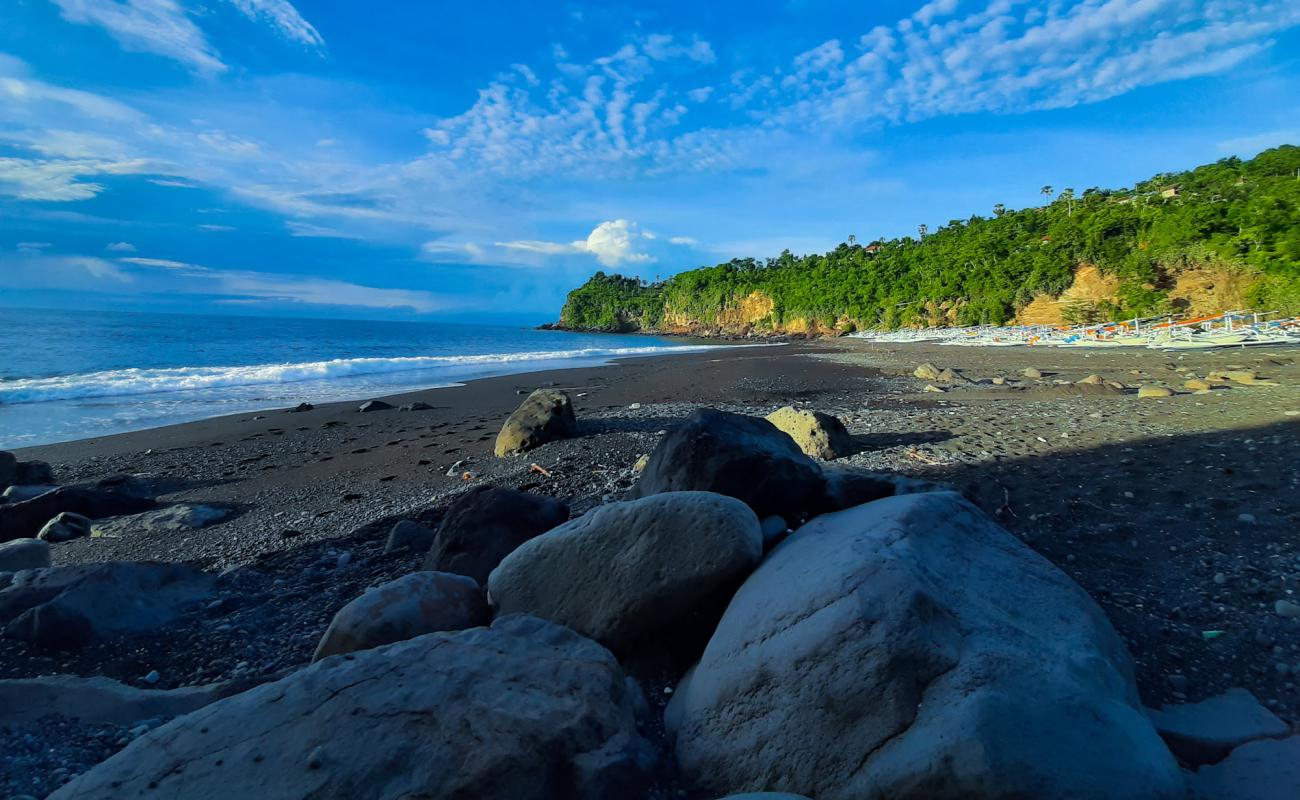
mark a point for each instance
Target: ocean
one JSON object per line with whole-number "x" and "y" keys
{"x": 68, "y": 375}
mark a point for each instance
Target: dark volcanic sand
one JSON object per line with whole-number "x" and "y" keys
{"x": 1139, "y": 500}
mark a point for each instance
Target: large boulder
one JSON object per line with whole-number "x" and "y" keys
{"x": 104, "y": 600}
{"x": 8, "y": 468}
{"x": 25, "y": 519}
{"x": 409, "y": 535}
{"x": 485, "y": 525}
{"x": 522, "y": 710}
{"x": 912, "y": 648}
{"x": 1205, "y": 732}
{"x": 98, "y": 700}
{"x": 1268, "y": 769}
{"x": 24, "y": 554}
{"x": 21, "y": 473}
{"x": 176, "y": 518}
{"x": 817, "y": 434}
{"x": 412, "y": 605}
{"x": 65, "y": 527}
{"x": 546, "y": 415}
{"x": 627, "y": 569}
{"x": 740, "y": 456}
{"x": 17, "y": 494}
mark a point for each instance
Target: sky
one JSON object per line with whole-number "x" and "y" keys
{"x": 470, "y": 161}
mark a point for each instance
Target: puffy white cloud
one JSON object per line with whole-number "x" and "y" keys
{"x": 613, "y": 243}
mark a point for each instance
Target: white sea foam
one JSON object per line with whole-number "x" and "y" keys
{"x": 116, "y": 383}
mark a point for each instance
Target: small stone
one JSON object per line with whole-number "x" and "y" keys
{"x": 418, "y": 405}
{"x": 152, "y": 677}
{"x": 999, "y": 381}
{"x": 344, "y": 559}
{"x": 1286, "y": 608}
{"x": 1196, "y": 385}
{"x": 1246, "y": 519}
{"x": 1154, "y": 392}
{"x": 641, "y": 463}
{"x": 316, "y": 758}
{"x": 930, "y": 387}
{"x": 634, "y": 406}
{"x": 1091, "y": 380}
{"x": 1030, "y": 372}
{"x": 301, "y": 407}
{"x": 927, "y": 372}
{"x": 373, "y": 405}
{"x": 1220, "y": 578}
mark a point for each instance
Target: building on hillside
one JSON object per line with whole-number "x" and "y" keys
{"x": 1172, "y": 191}
{"x": 872, "y": 248}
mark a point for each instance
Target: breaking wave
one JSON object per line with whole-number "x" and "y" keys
{"x": 120, "y": 382}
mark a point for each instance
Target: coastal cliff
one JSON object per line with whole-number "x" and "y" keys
{"x": 1221, "y": 237}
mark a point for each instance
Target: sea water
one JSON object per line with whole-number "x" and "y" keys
{"x": 74, "y": 374}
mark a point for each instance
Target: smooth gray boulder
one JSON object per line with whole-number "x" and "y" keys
{"x": 524, "y": 710}
{"x": 626, "y": 569}
{"x": 1205, "y": 732}
{"x": 546, "y": 415}
{"x": 24, "y": 554}
{"x": 65, "y": 527}
{"x": 911, "y": 648}
{"x": 412, "y": 605}
{"x": 66, "y": 611}
{"x": 101, "y": 701}
{"x": 486, "y": 524}
{"x": 1268, "y": 769}
{"x": 737, "y": 455}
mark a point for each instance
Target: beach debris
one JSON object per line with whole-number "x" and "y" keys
{"x": 923, "y": 457}
{"x": 641, "y": 463}
{"x": 373, "y": 405}
{"x": 1154, "y": 391}
{"x": 23, "y": 554}
{"x": 927, "y": 372}
{"x": 818, "y": 434}
{"x": 545, "y": 416}
{"x": 65, "y": 527}
{"x": 409, "y": 535}
{"x": 550, "y": 704}
{"x": 413, "y": 605}
{"x": 539, "y": 469}
{"x": 737, "y": 455}
{"x": 626, "y": 569}
{"x": 634, "y": 407}
{"x": 457, "y": 468}
{"x": 1210, "y": 636}
{"x": 999, "y": 381}
{"x": 960, "y": 647}
{"x": 1205, "y": 732}
{"x": 485, "y": 524}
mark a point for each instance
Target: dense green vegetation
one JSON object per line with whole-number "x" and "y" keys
{"x": 1240, "y": 215}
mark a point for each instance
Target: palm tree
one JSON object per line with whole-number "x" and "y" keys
{"x": 923, "y": 229}
{"x": 999, "y": 210}
{"x": 1067, "y": 194}
{"x": 1046, "y": 191}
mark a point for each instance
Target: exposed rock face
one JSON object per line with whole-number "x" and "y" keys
{"x": 626, "y": 569}
{"x": 65, "y": 527}
{"x": 63, "y": 608}
{"x": 1205, "y": 732}
{"x": 485, "y": 525}
{"x": 24, "y": 554}
{"x": 25, "y": 519}
{"x": 818, "y": 435}
{"x": 409, "y": 535}
{"x": 546, "y": 415}
{"x": 877, "y": 653}
{"x": 736, "y": 455}
{"x": 413, "y": 605}
{"x": 524, "y": 709}
{"x": 172, "y": 519}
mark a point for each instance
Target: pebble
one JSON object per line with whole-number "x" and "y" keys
{"x": 1246, "y": 519}
{"x": 154, "y": 677}
{"x": 1285, "y": 608}
{"x": 1220, "y": 578}
{"x": 344, "y": 558}
{"x": 316, "y": 757}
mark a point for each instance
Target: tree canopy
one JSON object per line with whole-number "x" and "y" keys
{"x": 1242, "y": 215}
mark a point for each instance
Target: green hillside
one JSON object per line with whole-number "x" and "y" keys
{"x": 1238, "y": 217}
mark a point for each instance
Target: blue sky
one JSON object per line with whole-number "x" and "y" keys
{"x": 463, "y": 160}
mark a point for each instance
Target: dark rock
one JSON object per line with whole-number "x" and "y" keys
{"x": 545, "y": 416}
{"x": 1264, "y": 770}
{"x": 24, "y": 554}
{"x": 100, "y": 701}
{"x": 485, "y": 525}
{"x": 625, "y": 570}
{"x": 373, "y": 405}
{"x": 65, "y": 527}
{"x": 8, "y": 468}
{"x": 418, "y": 405}
{"x": 413, "y": 605}
{"x": 25, "y": 519}
{"x": 848, "y": 487}
{"x": 736, "y": 455}
{"x": 111, "y": 598}
{"x": 301, "y": 407}
{"x": 524, "y": 710}
{"x": 17, "y": 494}
{"x": 33, "y": 472}
{"x": 409, "y": 535}
{"x": 911, "y": 648}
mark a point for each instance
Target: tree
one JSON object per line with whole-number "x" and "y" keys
{"x": 923, "y": 229}
{"x": 1067, "y": 194}
{"x": 999, "y": 210}
{"x": 1046, "y": 191}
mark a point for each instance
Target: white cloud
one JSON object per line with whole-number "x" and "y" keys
{"x": 120, "y": 247}
{"x": 175, "y": 183}
{"x": 284, "y": 17}
{"x": 33, "y": 247}
{"x": 535, "y": 246}
{"x": 61, "y": 180}
{"x": 148, "y": 26}
{"x": 701, "y": 94}
{"x": 96, "y": 268}
{"x": 613, "y": 243}
{"x": 161, "y": 263}
{"x": 685, "y": 241}
{"x": 216, "y": 228}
